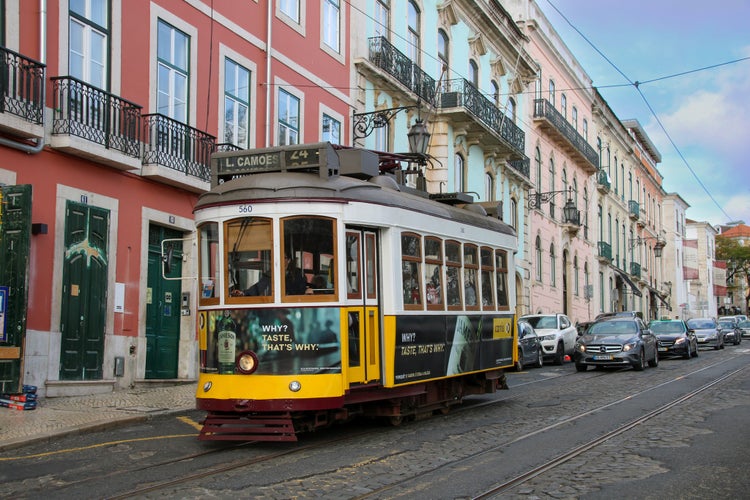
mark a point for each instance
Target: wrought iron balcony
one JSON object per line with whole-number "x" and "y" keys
{"x": 182, "y": 152}
{"x": 397, "y": 64}
{"x": 21, "y": 93}
{"x": 603, "y": 185}
{"x": 634, "y": 209}
{"x": 552, "y": 120}
{"x": 459, "y": 93}
{"x": 604, "y": 251}
{"x": 635, "y": 269}
{"x": 522, "y": 166}
{"x": 98, "y": 116}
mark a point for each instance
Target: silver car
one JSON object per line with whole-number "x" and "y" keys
{"x": 706, "y": 332}
{"x": 745, "y": 327}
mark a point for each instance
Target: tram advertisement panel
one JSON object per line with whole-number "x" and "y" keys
{"x": 437, "y": 346}
{"x": 285, "y": 340}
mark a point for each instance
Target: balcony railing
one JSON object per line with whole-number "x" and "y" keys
{"x": 21, "y": 86}
{"x": 544, "y": 109}
{"x": 86, "y": 111}
{"x": 397, "y": 64}
{"x": 634, "y": 209}
{"x": 174, "y": 145}
{"x": 461, "y": 93}
{"x": 521, "y": 166}
{"x": 605, "y": 250}
{"x": 602, "y": 180}
{"x": 635, "y": 269}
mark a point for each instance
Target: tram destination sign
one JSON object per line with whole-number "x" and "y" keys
{"x": 308, "y": 157}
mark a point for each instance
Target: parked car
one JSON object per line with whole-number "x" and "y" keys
{"x": 731, "y": 331}
{"x": 618, "y": 314}
{"x": 706, "y": 332}
{"x": 674, "y": 337}
{"x": 744, "y": 326}
{"x": 556, "y": 333}
{"x": 615, "y": 342}
{"x": 529, "y": 348}
{"x": 733, "y": 319}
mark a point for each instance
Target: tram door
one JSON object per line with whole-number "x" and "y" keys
{"x": 361, "y": 320}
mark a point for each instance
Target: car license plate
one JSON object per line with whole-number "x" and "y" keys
{"x": 602, "y": 357}
{"x": 663, "y": 349}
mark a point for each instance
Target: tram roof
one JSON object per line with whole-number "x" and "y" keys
{"x": 379, "y": 190}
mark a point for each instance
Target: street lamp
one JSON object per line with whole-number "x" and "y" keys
{"x": 364, "y": 124}
{"x": 571, "y": 214}
{"x": 658, "y": 246}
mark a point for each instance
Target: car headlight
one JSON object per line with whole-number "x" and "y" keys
{"x": 581, "y": 347}
{"x": 629, "y": 346}
{"x": 547, "y": 337}
{"x": 680, "y": 340}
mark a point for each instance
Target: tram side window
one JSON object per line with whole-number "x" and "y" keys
{"x": 210, "y": 275}
{"x": 309, "y": 258}
{"x": 501, "y": 267}
{"x": 453, "y": 274}
{"x": 433, "y": 258}
{"x": 249, "y": 241}
{"x": 471, "y": 264}
{"x": 487, "y": 272}
{"x": 411, "y": 260}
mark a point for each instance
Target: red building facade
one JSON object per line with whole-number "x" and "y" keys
{"x": 111, "y": 111}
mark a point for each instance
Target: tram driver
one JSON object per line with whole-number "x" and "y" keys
{"x": 294, "y": 281}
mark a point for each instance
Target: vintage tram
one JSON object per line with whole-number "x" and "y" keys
{"x": 330, "y": 289}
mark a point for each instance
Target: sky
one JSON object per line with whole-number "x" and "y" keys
{"x": 694, "y": 106}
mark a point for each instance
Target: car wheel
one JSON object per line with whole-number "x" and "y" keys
{"x": 519, "y": 363}
{"x": 736, "y": 340}
{"x": 540, "y": 358}
{"x": 695, "y": 352}
{"x": 653, "y": 363}
{"x": 580, "y": 367}
{"x": 641, "y": 364}
{"x": 560, "y": 354}
{"x": 717, "y": 347}
{"x": 689, "y": 353}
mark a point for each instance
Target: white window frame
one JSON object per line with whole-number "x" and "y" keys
{"x": 157, "y": 14}
{"x": 289, "y": 89}
{"x": 333, "y": 115}
{"x": 286, "y": 15}
{"x": 330, "y": 24}
{"x": 227, "y": 53}
{"x": 90, "y": 29}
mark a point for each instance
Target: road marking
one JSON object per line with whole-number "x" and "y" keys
{"x": 98, "y": 445}
{"x": 190, "y": 422}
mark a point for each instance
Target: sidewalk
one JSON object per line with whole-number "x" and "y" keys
{"x": 54, "y": 417}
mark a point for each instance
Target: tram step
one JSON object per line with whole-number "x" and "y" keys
{"x": 235, "y": 427}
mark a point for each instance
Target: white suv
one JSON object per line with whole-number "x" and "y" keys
{"x": 556, "y": 334}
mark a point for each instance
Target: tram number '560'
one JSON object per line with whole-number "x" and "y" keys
{"x": 244, "y": 209}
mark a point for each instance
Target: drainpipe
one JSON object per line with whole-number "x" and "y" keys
{"x": 269, "y": 19}
{"x": 27, "y": 148}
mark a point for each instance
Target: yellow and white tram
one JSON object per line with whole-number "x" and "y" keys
{"x": 329, "y": 290}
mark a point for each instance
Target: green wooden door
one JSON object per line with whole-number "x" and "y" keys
{"x": 15, "y": 228}
{"x": 84, "y": 301}
{"x": 163, "y": 305}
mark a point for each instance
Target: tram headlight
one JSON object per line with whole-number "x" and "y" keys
{"x": 247, "y": 362}
{"x": 207, "y": 386}
{"x": 295, "y": 386}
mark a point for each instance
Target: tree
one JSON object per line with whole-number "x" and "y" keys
{"x": 737, "y": 257}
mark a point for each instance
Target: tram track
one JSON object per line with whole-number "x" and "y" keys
{"x": 200, "y": 470}
{"x": 565, "y": 457}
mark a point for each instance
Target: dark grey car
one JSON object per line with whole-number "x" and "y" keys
{"x": 530, "y": 351}
{"x": 675, "y": 339}
{"x": 617, "y": 342}
{"x": 731, "y": 331}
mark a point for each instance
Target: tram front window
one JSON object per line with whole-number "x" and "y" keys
{"x": 308, "y": 244}
{"x": 249, "y": 258}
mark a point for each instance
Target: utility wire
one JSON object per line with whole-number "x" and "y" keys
{"x": 636, "y": 85}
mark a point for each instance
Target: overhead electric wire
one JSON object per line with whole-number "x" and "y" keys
{"x": 637, "y": 85}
